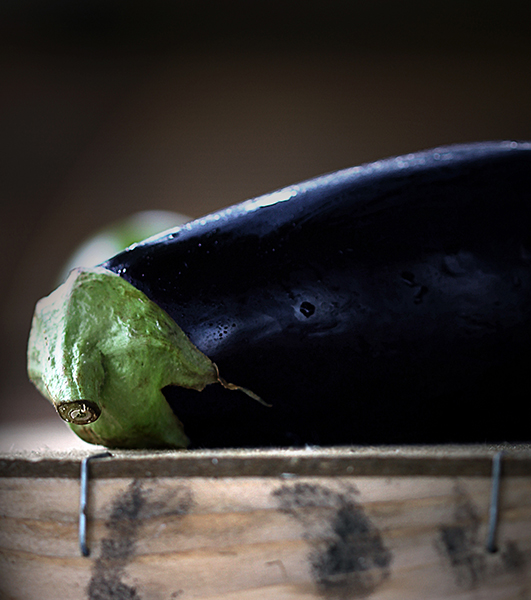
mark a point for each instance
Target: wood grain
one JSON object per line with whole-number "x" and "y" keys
{"x": 265, "y": 537}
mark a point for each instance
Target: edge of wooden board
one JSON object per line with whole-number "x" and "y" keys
{"x": 386, "y": 461}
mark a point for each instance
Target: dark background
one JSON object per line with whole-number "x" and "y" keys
{"x": 110, "y": 107}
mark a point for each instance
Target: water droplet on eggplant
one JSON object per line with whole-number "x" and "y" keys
{"x": 408, "y": 277}
{"x": 419, "y": 294}
{"x": 307, "y": 309}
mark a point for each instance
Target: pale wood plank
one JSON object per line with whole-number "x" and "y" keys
{"x": 250, "y": 537}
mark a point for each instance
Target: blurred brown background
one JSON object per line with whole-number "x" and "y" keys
{"x": 108, "y": 107}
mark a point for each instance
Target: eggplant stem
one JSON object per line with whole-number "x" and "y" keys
{"x": 233, "y": 386}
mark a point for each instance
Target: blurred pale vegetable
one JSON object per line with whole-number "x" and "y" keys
{"x": 118, "y": 236}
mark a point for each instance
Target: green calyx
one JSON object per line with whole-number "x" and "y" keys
{"x": 101, "y": 351}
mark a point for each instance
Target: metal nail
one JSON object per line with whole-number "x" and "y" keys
{"x": 83, "y": 500}
{"x": 494, "y": 501}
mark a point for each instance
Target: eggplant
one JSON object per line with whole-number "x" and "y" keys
{"x": 388, "y": 303}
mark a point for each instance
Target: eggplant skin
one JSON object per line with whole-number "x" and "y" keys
{"x": 387, "y": 303}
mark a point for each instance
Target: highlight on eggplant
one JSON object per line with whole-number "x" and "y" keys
{"x": 388, "y": 303}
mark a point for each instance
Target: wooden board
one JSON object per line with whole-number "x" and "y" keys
{"x": 378, "y": 523}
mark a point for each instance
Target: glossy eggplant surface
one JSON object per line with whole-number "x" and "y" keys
{"x": 386, "y": 303}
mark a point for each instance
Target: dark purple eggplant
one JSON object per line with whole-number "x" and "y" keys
{"x": 387, "y": 303}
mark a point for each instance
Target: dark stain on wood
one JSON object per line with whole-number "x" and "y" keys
{"x": 460, "y": 544}
{"x": 463, "y": 545}
{"x": 514, "y": 560}
{"x": 117, "y": 550}
{"x": 349, "y": 558}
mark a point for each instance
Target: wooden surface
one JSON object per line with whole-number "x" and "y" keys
{"x": 378, "y": 523}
